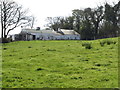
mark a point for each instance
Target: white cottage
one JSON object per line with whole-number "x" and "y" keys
{"x": 62, "y": 34}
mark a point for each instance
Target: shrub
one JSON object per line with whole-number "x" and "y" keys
{"x": 87, "y": 45}
{"x": 5, "y": 40}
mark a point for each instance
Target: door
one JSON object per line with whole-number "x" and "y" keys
{"x": 34, "y": 37}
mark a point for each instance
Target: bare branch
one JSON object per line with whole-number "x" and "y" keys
{"x": 12, "y": 16}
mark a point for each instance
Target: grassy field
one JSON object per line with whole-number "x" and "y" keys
{"x": 60, "y": 64}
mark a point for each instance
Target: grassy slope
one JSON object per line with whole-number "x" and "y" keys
{"x": 57, "y": 64}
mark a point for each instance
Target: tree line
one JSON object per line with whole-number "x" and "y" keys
{"x": 92, "y": 23}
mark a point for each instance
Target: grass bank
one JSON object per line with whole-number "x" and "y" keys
{"x": 60, "y": 64}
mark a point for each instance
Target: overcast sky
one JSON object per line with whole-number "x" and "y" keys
{"x": 42, "y": 9}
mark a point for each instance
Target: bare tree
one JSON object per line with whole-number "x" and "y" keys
{"x": 54, "y": 22}
{"x": 11, "y": 16}
{"x": 31, "y": 24}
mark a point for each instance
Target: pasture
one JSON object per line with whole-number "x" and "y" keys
{"x": 60, "y": 64}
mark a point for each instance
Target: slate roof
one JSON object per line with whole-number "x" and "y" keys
{"x": 63, "y": 31}
{"x": 39, "y": 31}
{"x": 70, "y": 32}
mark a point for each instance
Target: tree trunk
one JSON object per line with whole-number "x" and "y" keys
{"x": 1, "y": 24}
{"x": 2, "y": 30}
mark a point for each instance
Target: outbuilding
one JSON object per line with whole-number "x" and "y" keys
{"x": 33, "y": 34}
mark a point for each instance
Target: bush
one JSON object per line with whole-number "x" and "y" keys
{"x": 5, "y": 40}
{"x": 87, "y": 45}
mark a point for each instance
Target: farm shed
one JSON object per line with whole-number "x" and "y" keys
{"x": 33, "y": 34}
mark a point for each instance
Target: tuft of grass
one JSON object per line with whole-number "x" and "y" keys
{"x": 38, "y": 69}
{"x": 4, "y": 48}
{"x": 108, "y": 42}
{"x": 29, "y": 47}
{"x": 87, "y": 45}
{"x": 51, "y": 50}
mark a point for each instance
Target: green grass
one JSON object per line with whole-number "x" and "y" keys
{"x": 60, "y": 64}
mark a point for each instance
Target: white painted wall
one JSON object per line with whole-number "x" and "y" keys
{"x": 47, "y": 36}
{"x": 51, "y": 36}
